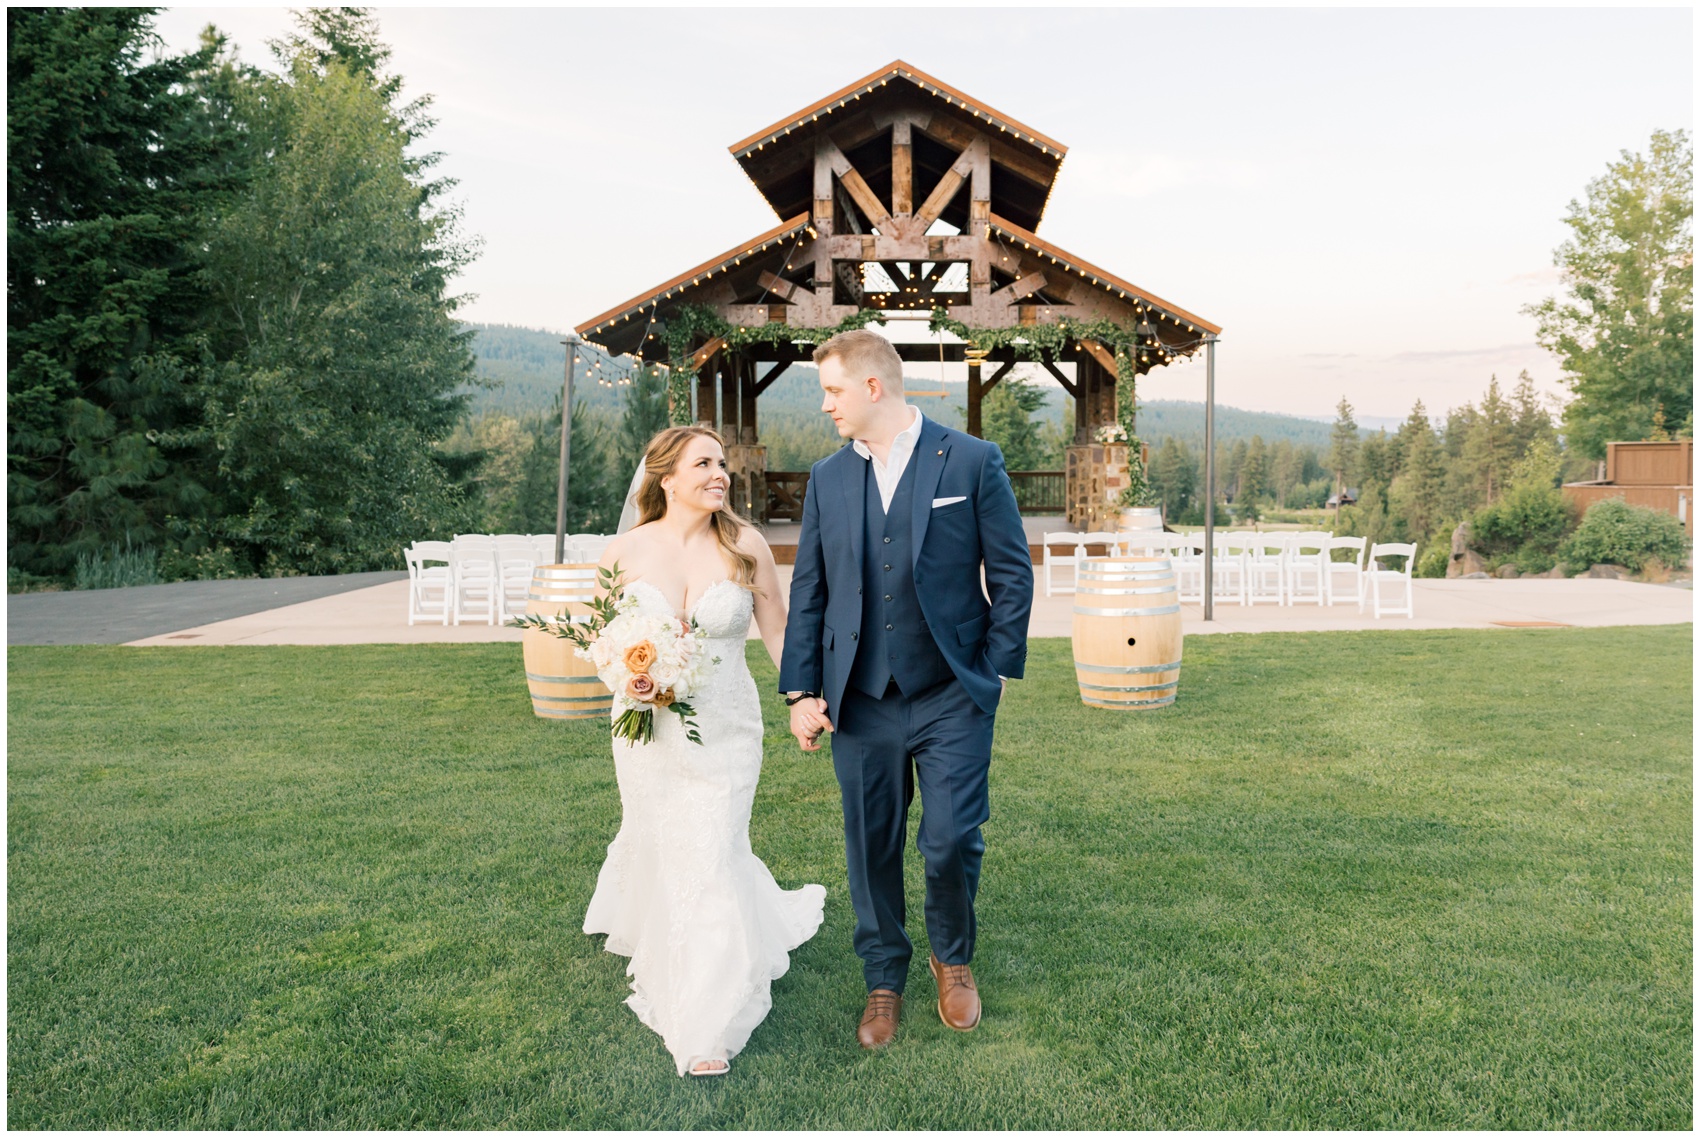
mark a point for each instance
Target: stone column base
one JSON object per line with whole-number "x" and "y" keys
{"x": 748, "y": 467}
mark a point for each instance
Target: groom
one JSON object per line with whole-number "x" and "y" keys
{"x": 893, "y": 639}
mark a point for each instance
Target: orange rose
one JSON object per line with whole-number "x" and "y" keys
{"x": 639, "y": 657}
{"x": 640, "y": 688}
{"x": 664, "y": 698}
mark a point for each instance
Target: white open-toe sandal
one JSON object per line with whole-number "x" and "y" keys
{"x": 703, "y": 1068}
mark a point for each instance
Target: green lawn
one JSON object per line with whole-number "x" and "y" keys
{"x": 1385, "y": 879}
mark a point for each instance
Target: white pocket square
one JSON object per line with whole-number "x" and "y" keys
{"x": 937, "y": 502}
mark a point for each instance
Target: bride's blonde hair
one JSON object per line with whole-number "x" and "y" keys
{"x": 660, "y": 459}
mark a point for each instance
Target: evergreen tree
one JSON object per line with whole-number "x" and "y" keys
{"x": 595, "y": 491}
{"x": 1530, "y": 421}
{"x": 1007, "y": 419}
{"x": 1624, "y": 330}
{"x": 1174, "y": 475}
{"x": 1414, "y": 497}
{"x": 645, "y": 414}
{"x": 113, "y": 164}
{"x": 339, "y": 354}
{"x": 1254, "y": 471}
{"x": 1342, "y": 451}
{"x": 1491, "y": 447}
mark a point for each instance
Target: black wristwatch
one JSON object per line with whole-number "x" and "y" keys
{"x": 793, "y": 701}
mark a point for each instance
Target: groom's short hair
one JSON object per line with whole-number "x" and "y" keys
{"x": 863, "y": 353}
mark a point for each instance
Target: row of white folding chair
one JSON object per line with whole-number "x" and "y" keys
{"x": 1076, "y": 543}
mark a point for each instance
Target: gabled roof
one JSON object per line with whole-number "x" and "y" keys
{"x": 1103, "y": 278}
{"x": 779, "y": 159}
{"x": 897, "y": 69}
{"x": 731, "y": 259}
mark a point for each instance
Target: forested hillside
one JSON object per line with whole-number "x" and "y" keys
{"x": 526, "y": 365}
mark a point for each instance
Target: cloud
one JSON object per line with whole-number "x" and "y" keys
{"x": 1546, "y": 278}
{"x": 1504, "y": 351}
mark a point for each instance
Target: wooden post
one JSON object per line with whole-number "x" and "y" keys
{"x": 730, "y": 367}
{"x": 975, "y": 359}
{"x": 902, "y": 170}
{"x": 705, "y": 390}
{"x": 747, "y": 401}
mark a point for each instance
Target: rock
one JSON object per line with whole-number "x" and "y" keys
{"x": 1475, "y": 577}
{"x": 1556, "y": 573}
{"x": 1460, "y": 540}
{"x": 1469, "y": 563}
{"x": 1607, "y": 572}
{"x": 1507, "y": 573}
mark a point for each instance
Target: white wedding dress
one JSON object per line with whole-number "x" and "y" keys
{"x": 706, "y": 926}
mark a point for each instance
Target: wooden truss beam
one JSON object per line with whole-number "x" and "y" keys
{"x": 1069, "y": 385}
{"x": 858, "y": 189}
{"x": 937, "y": 201}
{"x": 1100, "y": 353}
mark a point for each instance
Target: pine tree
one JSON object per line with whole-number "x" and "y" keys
{"x": 1007, "y": 415}
{"x": 1414, "y": 497}
{"x": 113, "y": 165}
{"x": 1342, "y": 451}
{"x": 1254, "y": 471}
{"x": 1530, "y": 420}
{"x": 645, "y": 414}
{"x": 1491, "y": 447}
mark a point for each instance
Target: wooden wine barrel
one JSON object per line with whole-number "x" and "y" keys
{"x": 1136, "y": 518}
{"x": 1127, "y": 632}
{"x": 562, "y": 685}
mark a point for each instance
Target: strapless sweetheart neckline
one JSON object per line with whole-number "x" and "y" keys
{"x": 690, "y": 612}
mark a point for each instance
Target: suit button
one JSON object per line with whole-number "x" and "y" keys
{"x": 888, "y": 628}
{"x": 887, "y": 541}
{"x": 888, "y": 596}
{"x": 888, "y": 568}
{"x": 852, "y": 636}
{"x": 858, "y": 590}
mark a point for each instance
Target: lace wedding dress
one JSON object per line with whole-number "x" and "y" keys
{"x": 681, "y": 892}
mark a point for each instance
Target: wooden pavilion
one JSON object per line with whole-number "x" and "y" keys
{"x": 897, "y": 193}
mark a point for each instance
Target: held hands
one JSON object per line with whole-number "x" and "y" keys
{"x": 808, "y": 721}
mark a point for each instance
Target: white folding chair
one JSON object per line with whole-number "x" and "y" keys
{"x": 1075, "y": 543}
{"x": 1187, "y": 551}
{"x": 516, "y": 558}
{"x": 1380, "y": 576}
{"x": 430, "y": 581}
{"x": 1112, "y": 542}
{"x": 1352, "y": 572}
{"x": 1144, "y": 542}
{"x": 1266, "y": 568}
{"x": 477, "y": 587}
{"x": 1307, "y": 568}
{"x": 1228, "y": 563}
{"x": 587, "y": 546}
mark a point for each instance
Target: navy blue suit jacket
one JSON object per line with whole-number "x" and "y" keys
{"x": 981, "y": 639}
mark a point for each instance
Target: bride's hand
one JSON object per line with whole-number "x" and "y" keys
{"x": 808, "y": 722}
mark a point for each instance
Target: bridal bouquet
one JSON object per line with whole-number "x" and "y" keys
{"x": 651, "y": 662}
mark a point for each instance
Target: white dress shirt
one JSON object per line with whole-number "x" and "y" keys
{"x": 889, "y": 473}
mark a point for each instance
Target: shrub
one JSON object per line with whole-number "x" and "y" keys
{"x": 115, "y": 568}
{"x": 1432, "y": 562}
{"x": 1615, "y": 533}
{"x": 1532, "y": 516}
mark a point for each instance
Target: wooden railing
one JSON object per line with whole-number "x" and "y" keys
{"x": 1040, "y": 491}
{"x": 1036, "y": 492}
{"x": 785, "y": 490}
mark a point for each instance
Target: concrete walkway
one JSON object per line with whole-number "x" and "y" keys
{"x": 116, "y": 616}
{"x": 378, "y": 614}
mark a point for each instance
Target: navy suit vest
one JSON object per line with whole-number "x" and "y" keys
{"x": 895, "y": 642}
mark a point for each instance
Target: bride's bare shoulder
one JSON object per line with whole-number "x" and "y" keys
{"x": 751, "y": 541}
{"x": 633, "y": 543}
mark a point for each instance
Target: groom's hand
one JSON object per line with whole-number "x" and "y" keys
{"x": 808, "y": 721}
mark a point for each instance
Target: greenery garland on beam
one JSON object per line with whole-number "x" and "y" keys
{"x": 688, "y": 322}
{"x": 1036, "y": 342}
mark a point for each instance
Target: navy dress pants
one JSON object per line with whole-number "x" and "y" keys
{"x": 880, "y": 749}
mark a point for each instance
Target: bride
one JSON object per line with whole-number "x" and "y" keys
{"x": 681, "y": 892}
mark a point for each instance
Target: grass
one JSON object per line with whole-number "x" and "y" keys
{"x": 1383, "y": 879}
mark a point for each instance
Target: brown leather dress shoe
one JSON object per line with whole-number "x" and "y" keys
{"x": 879, "y": 1019}
{"x": 959, "y": 999}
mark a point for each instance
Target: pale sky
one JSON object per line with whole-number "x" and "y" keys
{"x": 1362, "y": 198}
